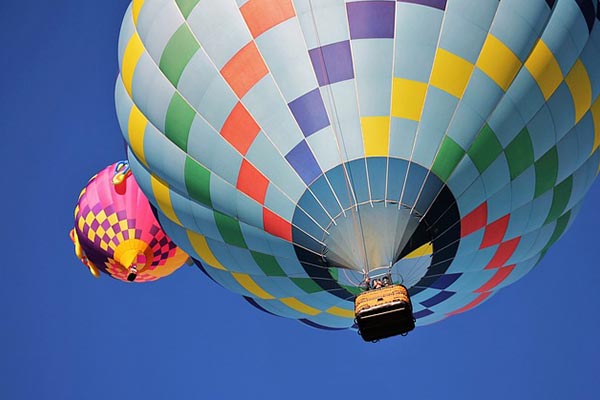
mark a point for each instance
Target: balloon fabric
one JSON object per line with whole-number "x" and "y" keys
{"x": 294, "y": 148}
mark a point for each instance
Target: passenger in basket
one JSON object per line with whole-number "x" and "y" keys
{"x": 367, "y": 283}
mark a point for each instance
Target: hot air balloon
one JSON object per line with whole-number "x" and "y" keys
{"x": 116, "y": 232}
{"x": 300, "y": 148}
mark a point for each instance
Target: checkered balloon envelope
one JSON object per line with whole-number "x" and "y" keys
{"x": 116, "y": 232}
{"x": 296, "y": 147}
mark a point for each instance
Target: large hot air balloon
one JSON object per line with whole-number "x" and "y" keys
{"x": 299, "y": 147}
{"x": 116, "y": 232}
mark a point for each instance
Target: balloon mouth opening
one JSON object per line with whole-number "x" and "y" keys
{"x": 368, "y": 238}
{"x": 133, "y": 259}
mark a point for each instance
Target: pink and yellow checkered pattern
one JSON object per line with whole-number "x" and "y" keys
{"x": 115, "y": 227}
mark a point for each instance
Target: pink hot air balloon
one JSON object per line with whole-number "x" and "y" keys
{"x": 117, "y": 233}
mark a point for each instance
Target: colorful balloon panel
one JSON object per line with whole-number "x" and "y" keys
{"x": 294, "y": 146}
{"x": 115, "y": 229}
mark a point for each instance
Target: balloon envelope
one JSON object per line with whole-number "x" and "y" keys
{"x": 296, "y": 146}
{"x": 115, "y": 229}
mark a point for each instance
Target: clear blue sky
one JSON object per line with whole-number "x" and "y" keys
{"x": 65, "y": 335}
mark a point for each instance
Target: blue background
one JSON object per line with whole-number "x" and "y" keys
{"x": 65, "y": 335}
